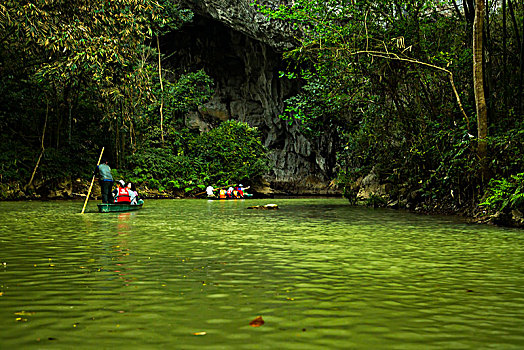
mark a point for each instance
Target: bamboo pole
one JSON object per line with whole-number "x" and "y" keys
{"x": 92, "y": 181}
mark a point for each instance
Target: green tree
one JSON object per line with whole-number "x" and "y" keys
{"x": 90, "y": 60}
{"x": 185, "y": 161}
{"x": 372, "y": 71}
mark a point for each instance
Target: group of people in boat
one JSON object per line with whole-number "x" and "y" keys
{"x": 127, "y": 194}
{"x": 231, "y": 193}
{"x": 122, "y": 194}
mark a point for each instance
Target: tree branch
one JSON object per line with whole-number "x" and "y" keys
{"x": 395, "y": 57}
{"x": 43, "y": 148}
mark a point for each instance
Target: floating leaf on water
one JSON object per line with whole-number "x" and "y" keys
{"x": 20, "y": 319}
{"x": 200, "y": 333}
{"x": 257, "y": 322}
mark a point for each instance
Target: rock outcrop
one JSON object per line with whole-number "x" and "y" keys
{"x": 241, "y": 51}
{"x": 243, "y": 17}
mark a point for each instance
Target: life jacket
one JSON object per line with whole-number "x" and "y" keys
{"x": 123, "y": 195}
{"x": 240, "y": 193}
{"x": 222, "y": 193}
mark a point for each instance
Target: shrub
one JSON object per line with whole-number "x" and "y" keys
{"x": 505, "y": 194}
{"x": 232, "y": 152}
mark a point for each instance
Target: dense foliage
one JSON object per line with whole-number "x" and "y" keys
{"x": 79, "y": 75}
{"x": 506, "y": 193}
{"x": 76, "y": 75}
{"x": 229, "y": 154}
{"x": 394, "y": 79}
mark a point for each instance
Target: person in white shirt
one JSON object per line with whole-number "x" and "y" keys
{"x": 209, "y": 191}
{"x": 133, "y": 194}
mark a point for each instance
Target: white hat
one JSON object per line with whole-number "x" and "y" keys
{"x": 240, "y": 185}
{"x": 121, "y": 182}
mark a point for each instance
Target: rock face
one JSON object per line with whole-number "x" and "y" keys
{"x": 241, "y": 16}
{"x": 241, "y": 51}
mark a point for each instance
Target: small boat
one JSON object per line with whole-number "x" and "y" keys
{"x": 246, "y": 196}
{"x": 119, "y": 207}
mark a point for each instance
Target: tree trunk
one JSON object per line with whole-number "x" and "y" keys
{"x": 504, "y": 54}
{"x": 521, "y": 78}
{"x": 488, "y": 63}
{"x": 457, "y": 10}
{"x": 515, "y": 25}
{"x": 70, "y": 123}
{"x": 161, "y": 91}
{"x": 117, "y": 149}
{"x": 469, "y": 13}
{"x": 520, "y": 48}
{"x": 30, "y": 183}
{"x": 478, "y": 83}
{"x": 58, "y": 112}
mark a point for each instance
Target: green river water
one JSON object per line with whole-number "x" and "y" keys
{"x": 322, "y": 274}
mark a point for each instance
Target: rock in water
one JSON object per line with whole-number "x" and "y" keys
{"x": 265, "y": 207}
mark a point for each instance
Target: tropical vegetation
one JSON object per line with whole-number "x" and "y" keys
{"x": 79, "y": 75}
{"x": 426, "y": 94}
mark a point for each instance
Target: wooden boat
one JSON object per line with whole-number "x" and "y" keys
{"x": 246, "y": 196}
{"x": 119, "y": 207}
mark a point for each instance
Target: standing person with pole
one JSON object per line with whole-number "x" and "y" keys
{"x": 93, "y": 180}
{"x": 105, "y": 180}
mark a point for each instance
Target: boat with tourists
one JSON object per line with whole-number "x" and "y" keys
{"x": 119, "y": 207}
{"x": 246, "y": 196}
{"x": 237, "y": 192}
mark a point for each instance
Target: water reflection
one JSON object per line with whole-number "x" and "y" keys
{"x": 121, "y": 251}
{"x": 322, "y": 275}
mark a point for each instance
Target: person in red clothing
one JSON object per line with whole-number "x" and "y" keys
{"x": 121, "y": 193}
{"x": 240, "y": 193}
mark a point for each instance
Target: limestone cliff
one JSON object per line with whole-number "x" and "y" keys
{"x": 241, "y": 51}
{"x": 241, "y": 16}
